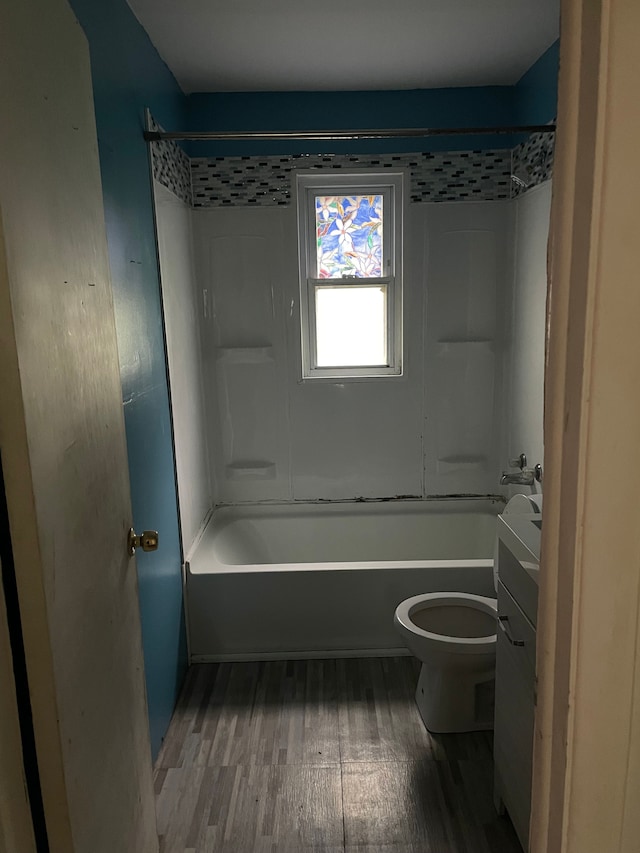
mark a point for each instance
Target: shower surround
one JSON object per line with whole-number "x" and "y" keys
{"x": 251, "y": 436}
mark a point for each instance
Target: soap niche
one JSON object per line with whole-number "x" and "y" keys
{"x": 247, "y": 391}
{"x": 464, "y": 383}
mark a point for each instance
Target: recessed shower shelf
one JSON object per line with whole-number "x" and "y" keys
{"x": 251, "y": 470}
{"x": 446, "y": 464}
{"x": 244, "y": 355}
{"x": 464, "y": 341}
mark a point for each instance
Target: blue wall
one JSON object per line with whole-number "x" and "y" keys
{"x": 536, "y": 93}
{"x": 462, "y": 107}
{"x": 128, "y": 75}
{"x": 531, "y": 101}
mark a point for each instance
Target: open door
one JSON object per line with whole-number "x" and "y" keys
{"x": 63, "y": 445}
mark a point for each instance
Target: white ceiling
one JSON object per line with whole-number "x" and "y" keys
{"x": 284, "y": 45}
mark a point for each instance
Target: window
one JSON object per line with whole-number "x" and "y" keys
{"x": 349, "y": 232}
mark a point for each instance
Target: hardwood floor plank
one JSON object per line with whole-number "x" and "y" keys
{"x": 228, "y": 716}
{"x": 323, "y": 755}
{"x": 296, "y": 715}
{"x": 181, "y": 790}
{"x": 378, "y": 719}
{"x": 167, "y": 799}
{"x": 382, "y": 806}
{"x": 196, "y": 683}
{"x": 477, "y": 784}
{"x": 385, "y": 848}
{"x": 210, "y": 675}
{"x": 271, "y": 713}
{"x": 465, "y": 834}
{"x": 389, "y": 804}
{"x": 223, "y": 784}
{"x": 279, "y": 808}
{"x": 200, "y": 815}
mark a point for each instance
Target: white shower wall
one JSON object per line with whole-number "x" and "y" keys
{"x": 181, "y": 307}
{"x": 524, "y": 400}
{"x": 436, "y": 430}
{"x": 467, "y": 274}
{"x": 243, "y": 261}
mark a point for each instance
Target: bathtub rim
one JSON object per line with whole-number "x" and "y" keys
{"x": 435, "y": 505}
{"x": 337, "y": 566}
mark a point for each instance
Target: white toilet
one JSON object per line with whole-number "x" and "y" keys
{"x": 453, "y": 634}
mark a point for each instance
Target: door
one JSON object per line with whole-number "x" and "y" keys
{"x": 63, "y": 445}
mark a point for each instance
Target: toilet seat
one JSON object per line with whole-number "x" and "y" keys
{"x": 445, "y": 642}
{"x": 456, "y": 686}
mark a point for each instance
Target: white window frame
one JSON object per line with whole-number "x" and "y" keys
{"x": 390, "y": 186}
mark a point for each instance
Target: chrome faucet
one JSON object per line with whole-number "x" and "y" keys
{"x": 524, "y": 477}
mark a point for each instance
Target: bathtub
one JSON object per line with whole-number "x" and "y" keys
{"x": 323, "y": 580}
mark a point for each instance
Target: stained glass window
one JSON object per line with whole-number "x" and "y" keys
{"x": 349, "y": 236}
{"x": 350, "y": 265}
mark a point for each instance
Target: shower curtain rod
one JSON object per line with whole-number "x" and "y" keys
{"x": 335, "y": 135}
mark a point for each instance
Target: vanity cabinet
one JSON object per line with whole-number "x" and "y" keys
{"x": 517, "y": 588}
{"x": 514, "y": 715}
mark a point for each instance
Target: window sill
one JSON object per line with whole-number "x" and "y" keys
{"x": 342, "y": 380}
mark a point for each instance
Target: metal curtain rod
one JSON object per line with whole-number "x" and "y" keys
{"x": 334, "y": 135}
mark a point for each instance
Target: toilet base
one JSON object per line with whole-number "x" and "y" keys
{"x": 451, "y": 700}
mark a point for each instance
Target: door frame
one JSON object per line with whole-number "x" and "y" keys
{"x": 587, "y": 733}
{"x": 587, "y": 739}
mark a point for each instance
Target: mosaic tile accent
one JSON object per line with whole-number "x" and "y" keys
{"x": 171, "y": 166}
{"x": 532, "y": 162}
{"x": 434, "y": 176}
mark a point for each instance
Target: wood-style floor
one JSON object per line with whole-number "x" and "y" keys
{"x": 325, "y": 755}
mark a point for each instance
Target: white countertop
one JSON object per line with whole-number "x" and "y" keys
{"x": 519, "y": 569}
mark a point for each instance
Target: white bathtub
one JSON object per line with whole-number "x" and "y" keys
{"x": 318, "y": 580}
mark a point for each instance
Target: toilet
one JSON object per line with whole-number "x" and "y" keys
{"x": 453, "y": 634}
